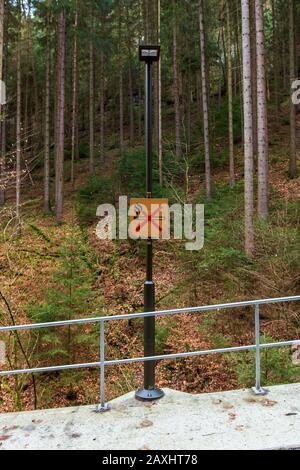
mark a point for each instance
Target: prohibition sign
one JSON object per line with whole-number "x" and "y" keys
{"x": 149, "y": 217}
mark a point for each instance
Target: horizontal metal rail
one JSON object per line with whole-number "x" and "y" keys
{"x": 91, "y": 365}
{"x": 104, "y": 363}
{"x": 134, "y": 316}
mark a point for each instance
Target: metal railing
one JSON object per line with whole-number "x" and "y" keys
{"x": 103, "y": 363}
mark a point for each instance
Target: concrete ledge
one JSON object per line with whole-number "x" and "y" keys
{"x": 230, "y": 420}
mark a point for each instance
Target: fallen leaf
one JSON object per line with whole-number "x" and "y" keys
{"x": 149, "y": 405}
{"x": 239, "y": 428}
{"x": 146, "y": 423}
{"x": 250, "y": 400}
{"x": 228, "y": 406}
{"x": 217, "y": 402}
{"x": 269, "y": 403}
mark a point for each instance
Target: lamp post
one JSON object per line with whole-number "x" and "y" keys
{"x": 149, "y": 392}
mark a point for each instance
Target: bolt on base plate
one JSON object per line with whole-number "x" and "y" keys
{"x": 149, "y": 395}
{"x": 260, "y": 391}
{"x": 103, "y": 409}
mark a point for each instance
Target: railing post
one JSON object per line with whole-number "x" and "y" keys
{"x": 258, "y": 390}
{"x": 103, "y": 406}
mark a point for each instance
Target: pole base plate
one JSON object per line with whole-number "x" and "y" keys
{"x": 260, "y": 391}
{"x": 103, "y": 409}
{"x": 149, "y": 395}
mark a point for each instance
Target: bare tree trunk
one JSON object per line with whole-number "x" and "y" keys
{"x": 276, "y": 60}
{"x": 240, "y": 64}
{"x": 130, "y": 78}
{"x": 154, "y": 40}
{"x": 47, "y": 125}
{"x": 284, "y": 66}
{"x": 3, "y": 137}
{"x": 121, "y": 92}
{"x": 2, "y": 158}
{"x": 262, "y": 124}
{"x": 205, "y": 104}
{"x": 60, "y": 132}
{"x": 248, "y": 131}
{"x": 1, "y": 39}
{"x": 188, "y": 108}
{"x": 2, "y": 118}
{"x": 26, "y": 120}
{"x": 102, "y": 110}
{"x": 176, "y": 88}
{"x": 146, "y": 20}
{"x": 74, "y": 97}
{"x": 230, "y": 93}
{"x": 18, "y": 140}
{"x": 35, "y": 120}
{"x": 92, "y": 103}
{"x": 293, "y": 150}
{"x": 253, "y": 73}
{"x": 140, "y": 100}
{"x": 139, "y": 75}
{"x": 121, "y": 111}
{"x": 130, "y": 83}
{"x": 199, "y": 93}
{"x": 160, "y": 147}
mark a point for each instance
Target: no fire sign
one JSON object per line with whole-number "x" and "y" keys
{"x": 149, "y": 218}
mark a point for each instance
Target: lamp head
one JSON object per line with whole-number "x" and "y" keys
{"x": 149, "y": 53}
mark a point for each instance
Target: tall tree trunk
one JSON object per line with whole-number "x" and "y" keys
{"x": 199, "y": 92}
{"x": 293, "y": 150}
{"x": 27, "y": 130}
{"x": 176, "y": 87}
{"x": 146, "y": 20}
{"x": 188, "y": 108}
{"x": 130, "y": 84}
{"x": 141, "y": 39}
{"x": 3, "y": 157}
{"x": 2, "y": 118}
{"x": 92, "y": 103}
{"x": 121, "y": 93}
{"x": 130, "y": 77}
{"x": 140, "y": 94}
{"x": 284, "y": 65}
{"x": 248, "y": 130}
{"x": 230, "y": 93}
{"x": 36, "y": 120}
{"x": 154, "y": 40}
{"x": 3, "y": 134}
{"x": 74, "y": 97}
{"x": 205, "y": 104}
{"x": 60, "y": 129}
{"x": 160, "y": 147}
{"x": 121, "y": 111}
{"x": 18, "y": 139}
{"x": 102, "y": 109}
{"x": 240, "y": 64}
{"x": 262, "y": 124}
{"x": 253, "y": 73}
{"x": 47, "y": 124}
{"x": 276, "y": 60}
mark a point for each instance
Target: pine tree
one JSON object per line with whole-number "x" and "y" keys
{"x": 71, "y": 297}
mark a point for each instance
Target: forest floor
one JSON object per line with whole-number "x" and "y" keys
{"x": 220, "y": 273}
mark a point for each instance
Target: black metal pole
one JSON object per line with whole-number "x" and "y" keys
{"x": 149, "y": 392}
